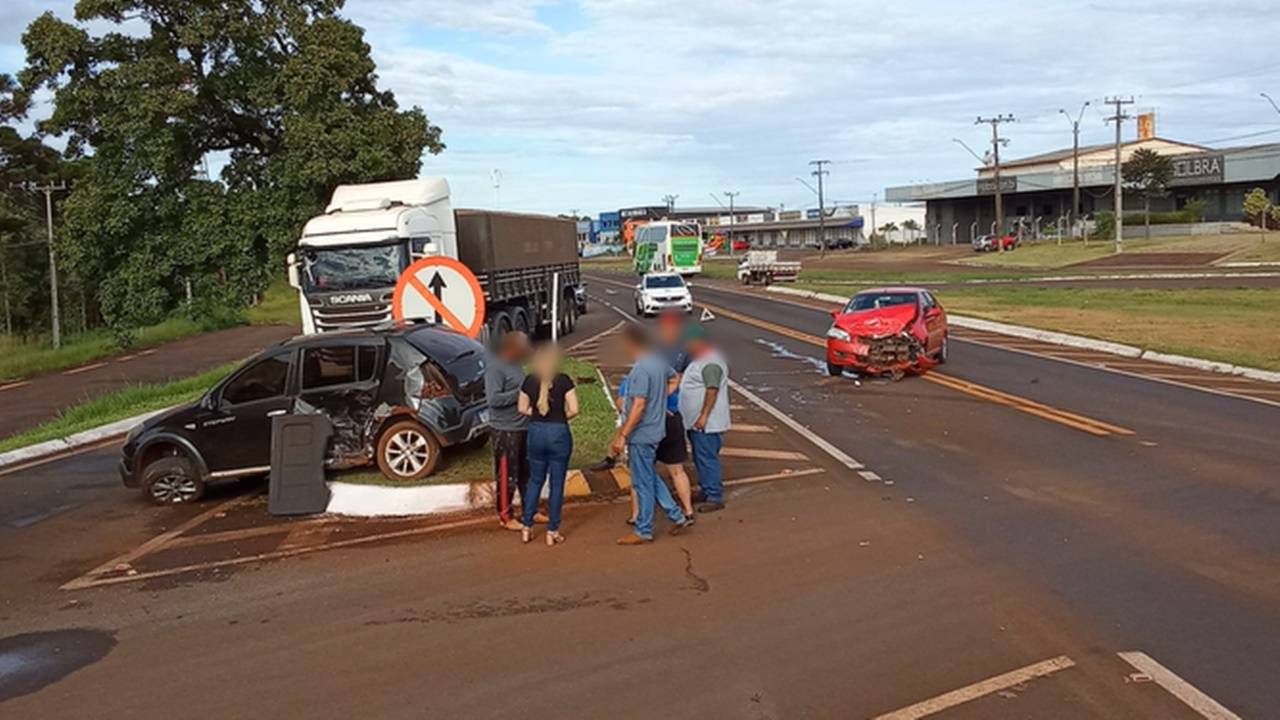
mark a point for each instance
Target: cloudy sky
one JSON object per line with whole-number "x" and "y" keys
{"x": 596, "y": 104}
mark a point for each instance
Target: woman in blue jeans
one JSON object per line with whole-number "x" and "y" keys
{"x": 548, "y": 398}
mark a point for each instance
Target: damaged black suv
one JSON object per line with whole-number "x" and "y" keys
{"x": 395, "y": 397}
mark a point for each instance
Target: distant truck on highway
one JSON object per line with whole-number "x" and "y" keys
{"x": 347, "y": 261}
{"x": 764, "y": 267}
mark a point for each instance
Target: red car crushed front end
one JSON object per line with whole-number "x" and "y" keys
{"x": 890, "y": 340}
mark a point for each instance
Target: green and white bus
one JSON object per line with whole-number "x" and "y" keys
{"x": 667, "y": 246}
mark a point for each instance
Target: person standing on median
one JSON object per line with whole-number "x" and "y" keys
{"x": 704, "y": 404}
{"x": 507, "y": 427}
{"x": 644, "y": 410}
{"x": 548, "y": 399}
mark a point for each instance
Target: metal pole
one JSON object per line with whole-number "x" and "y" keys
{"x": 555, "y": 306}
{"x": 732, "y": 218}
{"x": 1119, "y": 119}
{"x": 994, "y": 122}
{"x": 822, "y": 213}
{"x": 53, "y": 270}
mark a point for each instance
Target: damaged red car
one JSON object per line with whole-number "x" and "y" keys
{"x": 889, "y": 331}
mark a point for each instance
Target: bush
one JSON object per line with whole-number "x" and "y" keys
{"x": 213, "y": 314}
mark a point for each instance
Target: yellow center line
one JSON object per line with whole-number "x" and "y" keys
{"x": 1072, "y": 420}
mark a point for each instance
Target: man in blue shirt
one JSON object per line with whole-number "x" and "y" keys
{"x": 643, "y": 427}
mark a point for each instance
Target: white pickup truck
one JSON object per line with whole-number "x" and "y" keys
{"x": 763, "y": 266}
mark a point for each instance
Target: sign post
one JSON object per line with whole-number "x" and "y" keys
{"x": 441, "y": 290}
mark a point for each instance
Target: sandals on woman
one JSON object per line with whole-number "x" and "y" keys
{"x": 554, "y": 538}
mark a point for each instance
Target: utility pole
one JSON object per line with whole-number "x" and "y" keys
{"x": 49, "y": 189}
{"x": 732, "y": 217}
{"x": 1075, "y": 167}
{"x": 1119, "y": 119}
{"x": 819, "y": 172}
{"x": 670, "y": 200}
{"x": 874, "y": 197}
{"x": 4, "y": 279}
{"x": 995, "y": 122}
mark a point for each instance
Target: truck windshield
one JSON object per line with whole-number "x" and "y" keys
{"x": 351, "y": 268}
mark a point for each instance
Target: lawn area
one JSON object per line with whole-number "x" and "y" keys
{"x": 118, "y": 405}
{"x": 1048, "y": 254}
{"x": 20, "y": 358}
{"x": 591, "y": 432}
{"x": 1230, "y": 325}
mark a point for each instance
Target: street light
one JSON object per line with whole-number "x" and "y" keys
{"x": 981, "y": 160}
{"x": 1075, "y": 165}
{"x": 1273, "y": 102}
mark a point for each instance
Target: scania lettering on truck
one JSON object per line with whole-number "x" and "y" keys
{"x": 348, "y": 259}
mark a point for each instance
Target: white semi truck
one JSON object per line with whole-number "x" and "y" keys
{"x": 347, "y": 261}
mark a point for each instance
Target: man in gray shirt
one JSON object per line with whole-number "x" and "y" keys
{"x": 502, "y": 379}
{"x": 643, "y": 427}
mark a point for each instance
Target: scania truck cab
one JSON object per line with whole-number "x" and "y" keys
{"x": 348, "y": 259}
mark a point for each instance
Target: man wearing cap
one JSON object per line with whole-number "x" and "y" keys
{"x": 704, "y": 406}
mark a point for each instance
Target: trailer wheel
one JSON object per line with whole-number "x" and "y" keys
{"x": 520, "y": 321}
{"x": 501, "y": 326}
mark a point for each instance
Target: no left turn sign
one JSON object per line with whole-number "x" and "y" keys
{"x": 440, "y": 289}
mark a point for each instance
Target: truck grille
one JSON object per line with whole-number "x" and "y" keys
{"x": 346, "y": 317}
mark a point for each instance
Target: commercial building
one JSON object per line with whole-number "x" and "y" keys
{"x": 760, "y": 226}
{"x": 1037, "y": 190}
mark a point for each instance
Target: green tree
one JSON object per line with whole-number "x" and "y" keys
{"x": 283, "y": 92}
{"x": 24, "y": 296}
{"x": 1148, "y": 173}
{"x": 911, "y": 226}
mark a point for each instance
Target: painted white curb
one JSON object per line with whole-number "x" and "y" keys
{"x": 1066, "y": 339}
{"x": 381, "y": 501}
{"x": 1046, "y": 336}
{"x": 71, "y": 442}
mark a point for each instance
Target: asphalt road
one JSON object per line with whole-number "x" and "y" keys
{"x": 993, "y": 534}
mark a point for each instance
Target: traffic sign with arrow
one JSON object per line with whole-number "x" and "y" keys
{"x": 442, "y": 290}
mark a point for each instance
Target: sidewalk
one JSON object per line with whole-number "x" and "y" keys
{"x": 33, "y": 400}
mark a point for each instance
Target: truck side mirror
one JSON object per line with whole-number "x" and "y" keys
{"x": 291, "y": 265}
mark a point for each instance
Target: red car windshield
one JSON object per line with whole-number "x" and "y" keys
{"x": 873, "y": 301}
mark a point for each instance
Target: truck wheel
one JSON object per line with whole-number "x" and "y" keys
{"x": 407, "y": 451}
{"x": 520, "y": 321}
{"x": 501, "y": 326}
{"x": 571, "y": 317}
{"x": 172, "y": 480}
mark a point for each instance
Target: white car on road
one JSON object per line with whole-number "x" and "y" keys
{"x": 659, "y": 292}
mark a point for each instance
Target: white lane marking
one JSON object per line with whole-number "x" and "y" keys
{"x": 869, "y": 476}
{"x": 86, "y": 368}
{"x": 92, "y": 577}
{"x": 774, "y": 476}
{"x": 979, "y": 689}
{"x": 1238, "y": 395}
{"x": 1179, "y": 688}
{"x": 839, "y": 455}
{"x": 1045, "y": 355}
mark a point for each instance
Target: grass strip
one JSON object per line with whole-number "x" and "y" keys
{"x": 118, "y": 405}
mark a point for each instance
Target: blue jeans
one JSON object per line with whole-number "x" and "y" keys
{"x": 550, "y": 445}
{"x": 649, "y": 487}
{"x": 706, "y": 458}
